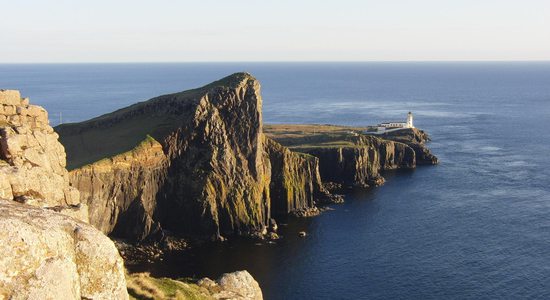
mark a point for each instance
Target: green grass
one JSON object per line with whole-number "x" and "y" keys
{"x": 142, "y": 286}
{"x": 95, "y": 143}
{"x": 120, "y": 131}
{"x": 313, "y": 136}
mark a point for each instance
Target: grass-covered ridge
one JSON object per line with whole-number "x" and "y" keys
{"x": 122, "y": 130}
{"x": 305, "y": 136}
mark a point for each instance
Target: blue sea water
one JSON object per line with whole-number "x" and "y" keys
{"x": 477, "y": 226}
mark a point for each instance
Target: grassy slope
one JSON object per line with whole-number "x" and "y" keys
{"x": 120, "y": 131}
{"x": 97, "y": 143}
{"x": 142, "y": 286}
{"x": 311, "y": 136}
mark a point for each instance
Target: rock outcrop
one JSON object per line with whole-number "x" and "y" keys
{"x": 213, "y": 177}
{"x": 349, "y": 156}
{"x": 47, "y": 255}
{"x": 32, "y": 161}
{"x": 361, "y": 164}
{"x": 416, "y": 139}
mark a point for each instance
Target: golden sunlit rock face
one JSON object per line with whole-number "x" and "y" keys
{"x": 32, "y": 161}
{"x": 48, "y": 255}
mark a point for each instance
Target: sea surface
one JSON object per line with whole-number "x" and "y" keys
{"x": 477, "y": 226}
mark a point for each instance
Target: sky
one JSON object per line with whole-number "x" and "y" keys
{"x": 276, "y": 30}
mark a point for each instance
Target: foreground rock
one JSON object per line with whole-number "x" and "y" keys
{"x": 194, "y": 163}
{"x": 32, "y": 161}
{"x": 47, "y": 255}
{"x": 238, "y": 285}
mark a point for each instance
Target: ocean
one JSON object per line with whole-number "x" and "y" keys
{"x": 476, "y": 226}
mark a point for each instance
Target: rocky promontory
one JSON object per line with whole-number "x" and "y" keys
{"x": 198, "y": 163}
{"x": 194, "y": 163}
{"x": 349, "y": 156}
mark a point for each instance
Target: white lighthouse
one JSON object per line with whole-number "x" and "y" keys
{"x": 410, "y": 120}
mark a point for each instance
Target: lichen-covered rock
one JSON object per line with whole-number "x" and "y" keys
{"x": 238, "y": 285}
{"x": 47, "y": 255}
{"x": 32, "y": 161}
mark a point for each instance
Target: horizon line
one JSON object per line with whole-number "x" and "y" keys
{"x": 280, "y": 61}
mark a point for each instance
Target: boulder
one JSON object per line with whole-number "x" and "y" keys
{"x": 47, "y": 255}
{"x": 237, "y": 285}
{"x": 10, "y": 97}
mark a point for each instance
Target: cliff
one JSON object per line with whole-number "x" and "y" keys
{"x": 197, "y": 163}
{"x": 210, "y": 172}
{"x": 416, "y": 139}
{"x": 295, "y": 185}
{"x": 349, "y": 157}
{"x": 32, "y": 161}
{"x": 121, "y": 191}
{"x": 361, "y": 164}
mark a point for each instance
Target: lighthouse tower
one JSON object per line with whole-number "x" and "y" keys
{"x": 410, "y": 120}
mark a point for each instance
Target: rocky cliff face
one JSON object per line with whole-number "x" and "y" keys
{"x": 32, "y": 161}
{"x": 212, "y": 171}
{"x": 47, "y": 255}
{"x": 295, "y": 185}
{"x": 121, "y": 191}
{"x": 416, "y": 139}
{"x": 360, "y": 165}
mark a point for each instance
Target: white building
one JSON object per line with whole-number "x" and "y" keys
{"x": 397, "y": 125}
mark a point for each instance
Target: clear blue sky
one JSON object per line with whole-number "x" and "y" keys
{"x": 277, "y": 30}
